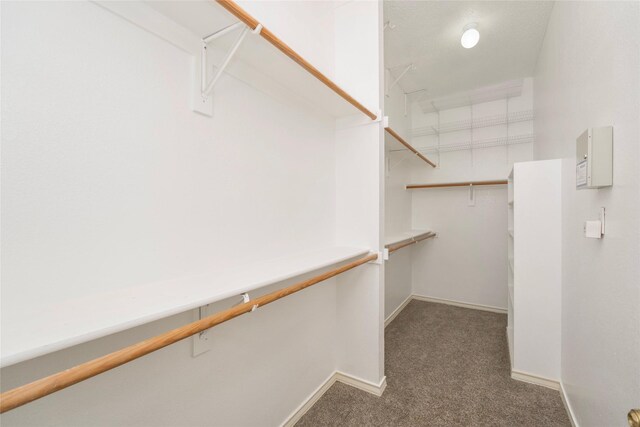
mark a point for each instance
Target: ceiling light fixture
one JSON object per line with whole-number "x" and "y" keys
{"x": 470, "y": 35}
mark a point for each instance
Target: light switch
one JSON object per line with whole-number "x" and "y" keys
{"x": 593, "y": 229}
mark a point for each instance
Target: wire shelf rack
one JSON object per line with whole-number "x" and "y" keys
{"x": 473, "y": 145}
{"x": 481, "y": 122}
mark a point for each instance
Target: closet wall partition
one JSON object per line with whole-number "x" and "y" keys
{"x": 126, "y": 213}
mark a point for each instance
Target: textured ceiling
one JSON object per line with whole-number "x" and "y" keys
{"x": 427, "y": 34}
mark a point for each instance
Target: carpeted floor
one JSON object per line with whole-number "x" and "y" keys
{"x": 445, "y": 366}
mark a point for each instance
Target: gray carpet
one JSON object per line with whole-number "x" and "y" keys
{"x": 445, "y": 366}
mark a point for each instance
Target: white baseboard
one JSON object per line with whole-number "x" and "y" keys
{"x": 460, "y": 304}
{"x": 397, "y": 311}
{"x": 535, "y": 379}
{"x": 309, "y": 401}
{"x": 401, "y": 307}
{"x": 369, "y": 387}
{"x": 567, "y": 406}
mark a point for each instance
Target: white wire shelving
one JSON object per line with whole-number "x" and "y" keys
{"x": 472, "y": 145}
{"x": 509, "y": 89}
{"x": 481, "y": 122}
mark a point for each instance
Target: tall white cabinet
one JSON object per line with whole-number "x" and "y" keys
{"x": 534, "y": 251}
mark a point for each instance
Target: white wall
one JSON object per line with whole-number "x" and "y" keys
{"x": 398, "y": 201}
{"x": 398, "y": 284}
{"x": 467, "y": 261}
{"x": 110, "y": 180}
{"x": 588, "y": 76}
{"x": 359, "y": 194}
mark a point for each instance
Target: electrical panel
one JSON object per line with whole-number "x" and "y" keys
{"x": 594, "y": 158}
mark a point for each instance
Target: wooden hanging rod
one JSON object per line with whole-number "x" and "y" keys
{"x": 27, "y": 393}
{"x": 413, "y": 240}
{"x": 233, "y": 8}
{"x": 456, "y": 184}
{"x": 409, "y": 146}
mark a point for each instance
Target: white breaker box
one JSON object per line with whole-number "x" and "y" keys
{"x": 594, "y": 158}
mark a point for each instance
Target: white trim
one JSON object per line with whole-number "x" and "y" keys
{"x": 364, "y": 385}
{"x": 369, "y": 387}
{"x": 309, "y": 401}
{"x": 567, "y": 406}
{"x": 461, "y": 304}
{"x": 397, "y": 311}
{"x": 535, "y": 379}
{"x": 510, "y": 347}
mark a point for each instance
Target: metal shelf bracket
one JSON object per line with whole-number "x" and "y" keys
{"x": 207, "y": 86}
{"x": 246, "y": 299}
{"x": 472, "y": 196}
{"x": 395, "y": 82}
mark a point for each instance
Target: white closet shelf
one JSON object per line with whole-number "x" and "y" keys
{"x": 264, "y": 53}
{"x": 40, "y": 330}
{"x": 401, "y": 240}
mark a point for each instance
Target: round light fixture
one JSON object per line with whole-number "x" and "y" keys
{"x": 470, "y": 36}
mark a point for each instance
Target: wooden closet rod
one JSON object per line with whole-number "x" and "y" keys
{"x": 409, "y": 146}
{"x": 27, "y": 393}
{"x": 252, "y": 23}
{"x": 393, "y": 248}
{"x": 456, "y": 184}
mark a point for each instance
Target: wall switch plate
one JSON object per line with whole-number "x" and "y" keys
{"x": 595, "y": 229}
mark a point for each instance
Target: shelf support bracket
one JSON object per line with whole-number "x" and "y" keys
{"x": 202, "y": 313}
{"x": 392, "y": 166}
{"x": 382, "y": 256}
{"x": 246, "y": 299}
{"x": 395, "y": 82}
{"x": 207, "y": 87}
